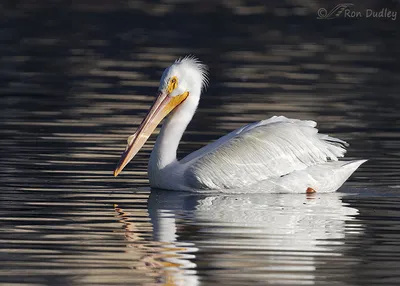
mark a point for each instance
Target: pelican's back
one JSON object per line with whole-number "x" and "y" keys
{"x": 264, "y": 150}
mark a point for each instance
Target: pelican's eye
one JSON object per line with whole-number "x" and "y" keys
{"x": 173, "y": 84}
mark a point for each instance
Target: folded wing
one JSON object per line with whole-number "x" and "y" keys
{"x": 259, "y": 151}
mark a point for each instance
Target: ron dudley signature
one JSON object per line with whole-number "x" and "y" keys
{"x": 346, "y": 10}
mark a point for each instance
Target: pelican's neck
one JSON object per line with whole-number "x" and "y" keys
{"x": 165, "y": 149}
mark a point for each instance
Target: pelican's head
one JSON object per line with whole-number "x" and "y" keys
{"x": 183, "y": 79}
{"x": 185, "y": 75}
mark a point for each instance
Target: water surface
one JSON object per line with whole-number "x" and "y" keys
{"x": 72, "y": 92}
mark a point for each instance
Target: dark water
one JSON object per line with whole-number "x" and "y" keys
{"x": 76, "y": 81}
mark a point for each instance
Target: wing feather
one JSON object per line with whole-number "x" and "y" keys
{"x": 265, "y": 149}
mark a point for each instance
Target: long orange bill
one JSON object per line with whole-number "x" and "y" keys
{"x": 162, "y": 106}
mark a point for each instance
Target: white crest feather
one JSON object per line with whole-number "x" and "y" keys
{"x": 196, "y": 64}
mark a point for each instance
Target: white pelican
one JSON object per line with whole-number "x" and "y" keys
{"x": 277, "y": 155}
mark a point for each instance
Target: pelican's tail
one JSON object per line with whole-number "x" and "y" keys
{"x": 331, "y": 175}
{"x": 349, "y": 167}
{"x": 323, "y": 178}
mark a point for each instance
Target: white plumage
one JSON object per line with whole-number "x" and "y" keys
{"x": 274, "y": 155}
{"x": 271, "y": 148}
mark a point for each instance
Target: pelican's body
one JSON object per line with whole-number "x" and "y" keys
{"x": 278, "y": 155}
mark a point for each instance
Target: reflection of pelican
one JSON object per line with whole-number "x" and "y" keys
{"x": 164, "y": 258}
{"x": 269, "y": 237}
{"x": 274, "y": 155}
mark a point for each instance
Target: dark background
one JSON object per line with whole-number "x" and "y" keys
{"x": 76, "y": 77}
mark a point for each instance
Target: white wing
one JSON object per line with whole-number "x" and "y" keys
{"x": 259, "y": 151}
